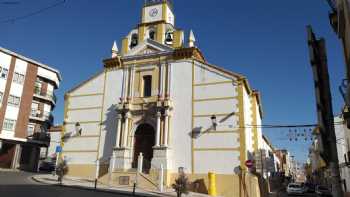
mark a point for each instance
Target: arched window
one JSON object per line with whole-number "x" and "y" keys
{"x": 134, "y": 40}
{"x": 169, "y": 37}
{"x": 147, "y": 86}
{"x": 152, "y": 34}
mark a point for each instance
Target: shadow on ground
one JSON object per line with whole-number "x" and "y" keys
{"x": 52, "y": 191}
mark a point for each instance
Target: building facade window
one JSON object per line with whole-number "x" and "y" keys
{"x": 31, "y": 128}
{"x": 147, "y": 86}
{"x": 134, "y": 40}
{"x": 3, "y": 72}
{"x": 35, "y": 112}
{"x": 1, "y": 96}
{"x": 18, "y": 78}
{"x": 152, "y": 34}
{"x": 37, "y": 87}
{"x": 14, "y": 100}
{"x": 9, "y": 124}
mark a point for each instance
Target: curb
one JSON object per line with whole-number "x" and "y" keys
{"x": 96, "y": 190}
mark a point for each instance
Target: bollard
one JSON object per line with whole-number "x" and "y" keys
{"x": 212, "y": 184}
{"x": 97, "y": 173}
{"x": 140, "y": 163}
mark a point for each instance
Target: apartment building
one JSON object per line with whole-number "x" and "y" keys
{"x": 26, "y": 101}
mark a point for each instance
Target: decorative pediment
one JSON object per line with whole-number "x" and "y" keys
{"x": 149, "y": 47}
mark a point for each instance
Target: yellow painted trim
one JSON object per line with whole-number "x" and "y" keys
{"x": 164, "y": 11}
{"x": 84, "y": 108}
{"x": 84, "y": 122}
{"x": 65, "y": 116}
{"x": 192, "y": 137}
{"x": 85, "y": 95}
{"x": 145, "y": 61}
{"x": 214, "y": 99}
{"x": 80, "y": 151}
{"x": 102, "y": 110}
{"x": 142, "y": 30}
{"x": 125, "y": 46}
{"x": 254, "y": 122}
{"x": 216, "y": 149}
{"x": 213, "y": 83}
{"x": 210, "y": 115}
{"x": 160, "y": 32}
{"x": 178, "y": 34}
{"x": 242, "y": 138}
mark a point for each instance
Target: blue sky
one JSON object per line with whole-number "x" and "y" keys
{"x": 263, "y": 40}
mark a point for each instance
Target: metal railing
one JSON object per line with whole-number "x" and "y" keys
{"x": 152, "y": 173}
{"x": 48, "y": 95}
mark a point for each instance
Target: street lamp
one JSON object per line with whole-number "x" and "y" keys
{"x": 214, "y": 121}
{"x": 78, "y": 129}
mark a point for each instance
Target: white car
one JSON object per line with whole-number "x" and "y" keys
{"x": 296, "y": 188}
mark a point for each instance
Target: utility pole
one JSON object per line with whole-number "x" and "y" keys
{"x": 318, "y": 56}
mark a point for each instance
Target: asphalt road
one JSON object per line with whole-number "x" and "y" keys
{"x": 19, "y": 184}
{"x": 284, "y": 194}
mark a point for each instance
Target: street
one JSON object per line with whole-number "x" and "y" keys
{"x": 16, "y": 184}
{"x": 284, "y": 194}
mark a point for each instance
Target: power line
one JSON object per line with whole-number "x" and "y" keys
{"x": 10, "y": 2}
{"x": 39, "y": 11}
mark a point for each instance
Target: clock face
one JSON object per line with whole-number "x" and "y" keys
{"x": 153, "y": 12}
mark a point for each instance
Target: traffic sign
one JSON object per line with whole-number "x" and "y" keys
{"x": 249, "y": 163}
{"x": 58, "y": 149}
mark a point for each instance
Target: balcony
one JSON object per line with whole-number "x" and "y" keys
{"x": 36, "y": 114}
{"x": 42, "y": 138}
{"x": 49, "y": 96}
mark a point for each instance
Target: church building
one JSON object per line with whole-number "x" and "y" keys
{"x": 159, "y": 96}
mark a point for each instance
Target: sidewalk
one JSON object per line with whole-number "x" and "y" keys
{"x": 8, "y": 170}
{"x": 50, "y": 179}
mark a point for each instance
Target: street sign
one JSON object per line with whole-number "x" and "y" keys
{"x": 249, "y": 163}
{"x": 58, "y": 149}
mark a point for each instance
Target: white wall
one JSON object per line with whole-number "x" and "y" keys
{"x": 93, "y": 86}
{"x": 248, "y": 121}
{"x": 5, "y": 61}
{"x": 180, "y": 131}
{"x": 81, "y": 108}
{"x": 342, "y": 135}
{"x": 55, "y": 141}
{"x": 148, "y": 18}
{"x": 109, "y": 117}
{"x": 42, "y": 72}
{"x": 215, "y": 94}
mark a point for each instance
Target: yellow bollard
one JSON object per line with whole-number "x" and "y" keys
{"x": 212, "y": 184}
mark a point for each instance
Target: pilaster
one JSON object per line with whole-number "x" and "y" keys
{"x": 121, "y": 159}
{"x": 161, "y": 155}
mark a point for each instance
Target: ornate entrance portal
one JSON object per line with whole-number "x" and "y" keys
{"x": 143, "y": 143}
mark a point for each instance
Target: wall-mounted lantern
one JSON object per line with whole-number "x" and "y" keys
{"x": 78, "y": 129}
{"x": 214, "y": 121}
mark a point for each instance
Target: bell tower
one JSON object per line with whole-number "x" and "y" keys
{"x": 157, "y": 24}
{"x": 158, "y": 11}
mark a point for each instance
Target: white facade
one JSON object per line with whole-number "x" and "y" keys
{"x": 343, "y": 147}
{"x": 167, "y": 102}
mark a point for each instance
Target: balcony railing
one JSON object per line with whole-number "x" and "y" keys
{"x": 47, "y": 95}
{"x": 38, "y": 115}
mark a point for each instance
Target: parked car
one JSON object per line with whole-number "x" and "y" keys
{"x": 323, "y": 191}
{"x": 296, "y": 188}
{"x": 310, "y": 187}
{"x": 47, "y": 165}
